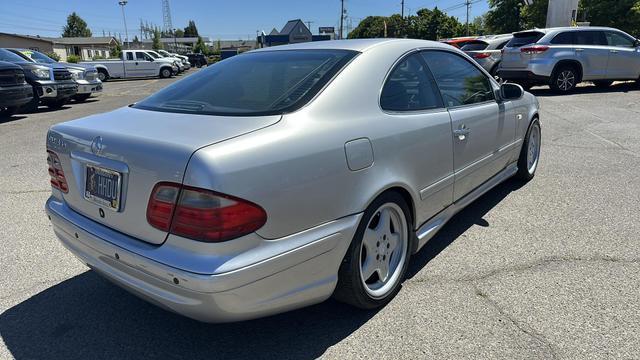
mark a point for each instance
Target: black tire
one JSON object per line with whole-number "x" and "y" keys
{"x": 165, "y": 73}
{"x": 6, "y": 112}
{"x": 81, "y": 97}
{"x": 350, "y": 288}
{"x": 525, "y": 172}
{"x": 57, "y": 104}
{"x": 103, "y": 75}
{"x": 564, "y": 79}
{"x": 602, "y": 84}
{"x": 32, "y": 106}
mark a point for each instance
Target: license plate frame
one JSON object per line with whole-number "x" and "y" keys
{"x": 92, "y": 174}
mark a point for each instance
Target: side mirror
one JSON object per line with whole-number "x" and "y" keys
{"x": 510, "y": 91}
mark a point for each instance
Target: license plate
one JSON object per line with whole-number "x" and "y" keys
{"x": 102, "y": 187}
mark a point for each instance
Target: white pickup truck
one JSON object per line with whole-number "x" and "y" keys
{"x": 134, "y": 64}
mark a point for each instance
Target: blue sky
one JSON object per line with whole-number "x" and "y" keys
{"x": 227, "y": 20}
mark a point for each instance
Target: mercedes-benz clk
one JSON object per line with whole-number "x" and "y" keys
{"x": 280, "y": 177}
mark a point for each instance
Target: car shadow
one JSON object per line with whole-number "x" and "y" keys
{"x": 618, "y": 87}
{"x": 88, "y": 101}
{"x": 11, "y": 118}
{"x": 471, "y": 215}
{"x": 87, "y": 317}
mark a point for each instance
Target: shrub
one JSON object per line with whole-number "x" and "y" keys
{"x": 73, "y": 59}
{"x": 98, "y": 57}
{"x": 53, "y": 55}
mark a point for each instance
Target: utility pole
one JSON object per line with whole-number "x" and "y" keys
{"x": 122, "y": 3}
{"x": 468, "y": 4}
{"x": 341, "y": 17}
{"x": 309, "y": 25}
{"x": 402, "y": 18}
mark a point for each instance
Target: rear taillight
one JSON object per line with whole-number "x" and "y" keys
{"x": 481, "y": 55}
{"x": 201, "y": 214}
{"x": 536, "y": 49}
{"x": 58, "y": 180}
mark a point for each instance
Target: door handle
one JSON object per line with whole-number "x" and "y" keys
{"x": 579, "y": 50}
{"x": 136, "y": 63}
{"x": 462, "y": 132}
{"x": 613, "y": 51}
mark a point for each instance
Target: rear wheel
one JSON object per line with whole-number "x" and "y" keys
{"x": 165, "y": 73}
{"x": 602, "y": 84}
{"x": 376, "y": 262}
{"x": 103, "y": 75}
{"x": 530, "y": 153}
{"x": 564, "y": 79}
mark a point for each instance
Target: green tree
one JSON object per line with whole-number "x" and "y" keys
{"x": 200, "y": 47}
{"x": 535, "y": 15}
{"x": 157, "y": 45}
{"x": 179, "y": 33}
{"x": 369, "y": 27}
{"x": 116, "y": 51}
{"x": 191, "y": 30}
{"x": 434, "y": 25}
{"x": 76, "y": 27}
{"x": 621, "y": 14}
{"x": 504, "y": 16}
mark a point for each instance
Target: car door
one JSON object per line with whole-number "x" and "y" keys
{"x": 591, "y": 50}
{"x": 146, "y": 65}
{"x": 624, "y": 56}
{"x": 410, "y": 98}
{"x": 482, "y": 133}
{"x": 131, "y": 65}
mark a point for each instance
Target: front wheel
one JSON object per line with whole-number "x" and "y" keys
{"x": 165, "y": 73}
{"x": 103, "y": 75}
{"x": 376, "y": 262}
{"x": 530, "y": 153}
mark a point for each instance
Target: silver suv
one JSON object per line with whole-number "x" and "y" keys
{"x": 487, "y": 51}
{"x": 564, "y": 57}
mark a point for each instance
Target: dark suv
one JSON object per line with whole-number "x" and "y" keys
{"x": 564, "y": 57}
{"x": 14, "y": 90}
{"x": 52, "y": 84}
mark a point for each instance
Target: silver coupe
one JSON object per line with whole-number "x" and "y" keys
{"x": 281, "y": 177}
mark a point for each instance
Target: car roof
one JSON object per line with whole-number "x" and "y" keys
{"x": 569, "y": 28}
{"x": 360, "y": 45}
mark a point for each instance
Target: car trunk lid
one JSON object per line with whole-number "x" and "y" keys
{"x": 512, "y": 57}
{"x": 137, "y": 149}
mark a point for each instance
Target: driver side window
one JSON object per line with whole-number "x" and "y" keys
{"x": 142, "y": 56}
{"x": 460, "y": 82}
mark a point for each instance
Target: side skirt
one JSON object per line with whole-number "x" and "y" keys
{"x": 431, "y": 227}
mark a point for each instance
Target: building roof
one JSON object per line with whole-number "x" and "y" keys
{"x": 274, "y": 32}
{"x": 290, "y": 25}
{"x": 31, "y": 37}
{"x": 100, "y": 40}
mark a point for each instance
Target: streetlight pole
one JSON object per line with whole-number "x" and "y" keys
{"x": 175, "y": 41}
{"x": 122, "y": 3}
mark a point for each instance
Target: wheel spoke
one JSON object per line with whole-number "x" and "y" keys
{"x": 384, "y": 224}
{"x": 394, "y": 240}
{"x": 370, "y": 240}
{"x": 383, "y": 269}
{"x": 369, "y": 267}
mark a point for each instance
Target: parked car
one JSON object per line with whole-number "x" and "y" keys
{"x": 52, "y": 84}
{"x": 487, "y": 51}
{"x": 86, "y": 76}
{"x": 175, "y": 61}
{"x": 281, "y": 176}
{"x": 14, "y": 90}
{"x": 183, "y": 59}
{"x": 564, "y": 57}
{"x": 459, "y": 41}
{"x": 133, "y": 64}
{"x": 198, "y": 60}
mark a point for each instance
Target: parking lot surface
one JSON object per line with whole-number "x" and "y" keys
{"x": 543, "y": 270}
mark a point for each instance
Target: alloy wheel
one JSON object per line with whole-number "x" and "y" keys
{"x": 566, "y": 80}
{"x": 533, "y": 150}
{"x": 384, "y": 250}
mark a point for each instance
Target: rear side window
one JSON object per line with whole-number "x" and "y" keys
{"x": 129, "y": 56}
{"x": 460, "y": 82}
{"x": 617, "y": 39}
{"x": 474, "y": 46}
{"x": 525, "y": 38}
{"x": 564, "y": 38}
{"x": 410, "y": 86}
{"x": 255, "y": 83}
{"x": 590, "y": 38}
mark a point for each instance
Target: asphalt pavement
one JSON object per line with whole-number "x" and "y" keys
{"x": 543, "y": 270}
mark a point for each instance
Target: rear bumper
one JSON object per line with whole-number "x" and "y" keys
{"x": 301, "y": 274}
{"x": 522, "y": 75}
{"x": 18, "y": 95}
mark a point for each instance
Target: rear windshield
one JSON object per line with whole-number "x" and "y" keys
{"x": 474, "y": 46}
{"x": 525, "y": 38}
{"x": 256, "y": 83}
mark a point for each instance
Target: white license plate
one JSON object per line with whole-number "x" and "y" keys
{"x": 102, "y": 186}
